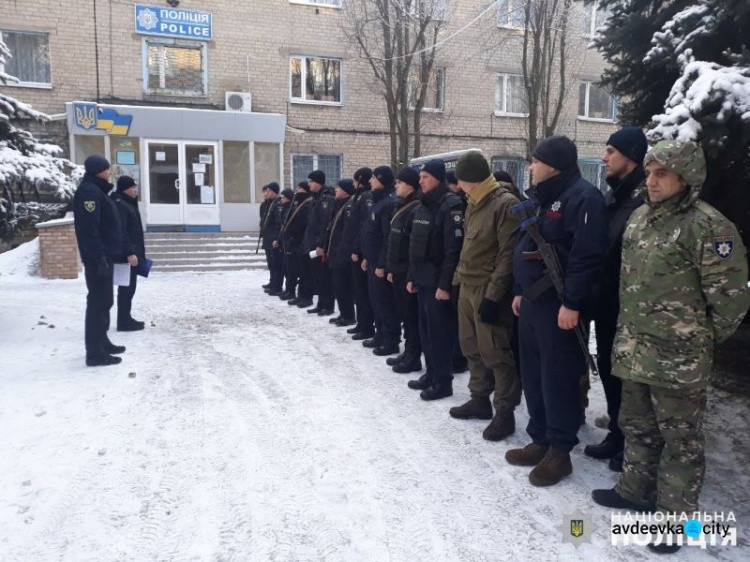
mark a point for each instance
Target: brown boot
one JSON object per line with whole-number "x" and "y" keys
{"x": 554, "y": 467}
{"x": 478, "y": 407}
{"x": 502, "y": 425}
{"x": 531, "y": 455}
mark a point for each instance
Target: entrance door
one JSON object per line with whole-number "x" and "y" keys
{"x": 182, "y": 183}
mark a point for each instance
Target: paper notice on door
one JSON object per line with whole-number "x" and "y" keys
{"x": 207, "y": 195}
{"x": 206, "y": 158}
{"x": 121, "y": 275}
{"x": 200, "y": 179}
{"x": 161, "y": 156}
{"x": 199, "y": 168}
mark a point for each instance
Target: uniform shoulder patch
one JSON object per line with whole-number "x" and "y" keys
{"x": 90, "y": 206}
{"x": 457, "y": 216}
{"x": 724, "y": 246}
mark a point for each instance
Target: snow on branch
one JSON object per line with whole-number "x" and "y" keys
{"x": 678, "y": 34}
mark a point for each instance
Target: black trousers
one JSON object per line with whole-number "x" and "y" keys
{"x": 125, "y": 299}
{"x": 275, "y": 261}
{"x": 387, "y": 322}
{"x": 552, "y": 363}
{"x": 99, "y": 302}
{"x": 291, "y": 273}
{"x": 438, "y": 325}
{"x": 606, "y": 328}
{"x": 304, "y": 268}
{"x": 323, "y": 280}
{"x": 344, "y": 291}
{"x": 407, "y": 305}
{"x": 365, "y": 315}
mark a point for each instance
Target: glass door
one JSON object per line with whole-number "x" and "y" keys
{"x": 201, "y": 189}
{"x": 164, "y": 183}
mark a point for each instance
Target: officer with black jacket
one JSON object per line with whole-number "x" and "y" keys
{"x": 133, "y": 250}
{"x": 397, "y": 266}
{"x": 572, "y": 218}
{"x": 365, "y": 327}
{"x": 290, "y": 275}
{"x": 623, "y": 158}
{"x": 293, "y": 235}
{"x": 338, "y": 255}
{"x": 99, "y": 236}
{"x": 269, "y": 231}
{"x": 434, "y": 251}
{"x": 374, "y": 242}
{"x": 321, "y": 214}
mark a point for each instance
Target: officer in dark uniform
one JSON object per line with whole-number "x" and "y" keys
{"x": 99, "y": 235}
{"x": 365, "y": 327}
{"x": 290, "y": 277}
{"x": 374, "y": 241}
{"x": 338, "y": 255}
{"x": 572, "y": 218}
{"x": 460, "y": 363}
{"x": 293, "y": 234}
{"x": 269, "y": 231}
{"x": 321, "y": 214}
{"x": 133, "y": 250}
{"x": 397, "y": 265}
{"x": 434, "y": 250}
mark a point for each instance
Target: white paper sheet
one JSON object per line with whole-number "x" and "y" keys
{"x": 200, "y": 179}
{"x": 121, "y": 275}
{"x": 207, "y": 195}
{"x": 161, "y": 156}
{"x": 205, "y": 158}
{"x": 199, "y": 168}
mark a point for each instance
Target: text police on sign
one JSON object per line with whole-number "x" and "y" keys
{"x": 167, "y": 22}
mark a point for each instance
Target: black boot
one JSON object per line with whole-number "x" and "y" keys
{"x": 437, "y": 391}
{"x": 314, "y": 310}
{"x": 325, "y": 312}
{"x": 102, "y": 360}
{"x": 335, "y": 320}
{"x": 606, "y": 449}
{"x": 364, "y": 335}
{"x": 373, "y": 342}
{"x": 286, "y": 296}
{"x": 422, "y": 383}
{"x": 391, "y": 361}
{"x": 357, "y": 329}
{"x": 130, "y": 325}
{"x": 610, "y": 498}
{"x": 411, "y": 363}
{"x": 386, "y": 349}
{"x": 343, "y": 322}
{"x": 274, "y": 292}
{"x": 266, "y": 286}
{"x": 304, "y": 303}
{"x": 112, "y": 349}
{"x": 293, "y": 301}
{"x": 616, "y": 462}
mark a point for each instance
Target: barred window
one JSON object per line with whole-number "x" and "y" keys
{"x": 331, "y": 164}
{"x": 174, "y": 69}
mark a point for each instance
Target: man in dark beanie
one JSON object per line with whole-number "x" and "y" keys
{"x": 623, "y": 159}
{"x": 99, "y": 236}
{"x": 434, "y": 248}
{"x": 338, "y": 254}
{"x": 374, "y": 241}
{"x": 361, "y": 204}
{"x": 270, "y": 227}
{"x": 572, "y": 219}
{"x": 501, "y": 176}
{"x": 397, "y": 266}
{"x": 290, "y": 280}
{"x": 133, "y": 250}
{"x": 321, "y": 214}
{"x": 485, "y": 317}
{"x": 293, "y": 236}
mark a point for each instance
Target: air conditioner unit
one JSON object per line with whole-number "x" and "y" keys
{"x": 238, "y": 101}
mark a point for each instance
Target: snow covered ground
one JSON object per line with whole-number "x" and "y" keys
{"x": 238, "y": 429}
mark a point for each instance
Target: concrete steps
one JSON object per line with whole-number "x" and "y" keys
{"x": 204, "y": 252}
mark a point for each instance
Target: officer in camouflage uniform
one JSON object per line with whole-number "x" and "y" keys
{"x": 683, "y": 289}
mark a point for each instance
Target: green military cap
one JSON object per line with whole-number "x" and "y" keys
{"x": 685, "y": 158}
{"x": 472, "y": 167}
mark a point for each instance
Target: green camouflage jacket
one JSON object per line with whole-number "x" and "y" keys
{"x": 683, "y": 281}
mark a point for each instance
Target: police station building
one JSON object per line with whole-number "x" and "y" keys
{"x": 203, "y": 103}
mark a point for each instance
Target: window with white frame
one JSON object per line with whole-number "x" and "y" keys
{"x": 514, "y": 165}
{"x": 331, "y": 164}
{"x": 596, "y": 103}
{"x": 510, "y": 96}
{"x": 511, "y": 13}
{"x": 593, "y": 171}
{"x": 324, "y": 3}
{"x": 315, "y": 80}
{"x": 174, "y": 69}
{"x": 29, "y": 60}
{"x": 594, "y": 16}
{"x": 437, "y": 10}
{"x": 435, "y": 89}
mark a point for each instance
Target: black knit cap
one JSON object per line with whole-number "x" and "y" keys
{"x": 304, "y": 185}
{"x": 363, "y": 175}
{"x": 558, "y": 152}
{"x": 318, "y": 176}
{"x": 125, "y": 182}
{"x": 273, "y": 186}
{"x": 96, "y": 164}
{"x": 450, "y": 177}
{"x": 503, "y": 176}
{"x": 288, "y": 193}
{"x": 409, "y": 175}
{"x": 472, "y": 167}
{"x": 436, "y": 168}
{"x": 347, "y": 185}
{"x": 384, "y": 174}
{"x": 630, "y": 141}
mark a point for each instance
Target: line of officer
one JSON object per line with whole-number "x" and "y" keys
{"x": 318, "y": 223}
{"x": 338, "y": 254}
{"x": 434, "y": 249}
{"x": 99, "y": 236}
{"x": 270, "y": 227}
{"x": 293, "y": 234}
{"x": 353, "y": 227}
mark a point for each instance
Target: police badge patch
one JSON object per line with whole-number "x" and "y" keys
{"x": 457, "y": 216}
{"x": 90, "y": 206}
{"x": 724, "y": 246}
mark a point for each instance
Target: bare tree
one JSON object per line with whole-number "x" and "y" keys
{"x": 398, "y": 39}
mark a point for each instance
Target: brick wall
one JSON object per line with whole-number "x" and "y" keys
{"x": 58, "y": 251}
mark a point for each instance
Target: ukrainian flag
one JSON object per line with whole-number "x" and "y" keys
{"x": 113, "y": 123}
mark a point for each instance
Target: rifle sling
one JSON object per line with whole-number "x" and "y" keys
{"x": 539, "y": 287}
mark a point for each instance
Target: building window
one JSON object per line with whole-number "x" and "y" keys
{"x": 435, "y": 94}
{"x": 511, "y": 13}
{"x": 315, "y": 80}
{"x": 175, "y": 69}
{"x": 236, "y": 161}
{"x": 510, "y": 96}
{"x": 515, "y": 166}
{"x": 29, "y": 60}
{"x": 267, "y": 160}
{"x": 323, "y": 3}
{"x": 594, "y": 16}
{"x": 437, "y": 10}
{"x": 594, "y": 172}
{"x": 331, "y": 164}
{"x": 595, "y": 103}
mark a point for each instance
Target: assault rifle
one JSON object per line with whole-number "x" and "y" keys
{"x": 546, "y": 253}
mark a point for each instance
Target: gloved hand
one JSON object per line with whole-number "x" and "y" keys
{"x": 489, "y": 311}
{"x": 102, "y": 267}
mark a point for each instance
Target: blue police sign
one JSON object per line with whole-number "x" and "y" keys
{"x": 168, "y": 22}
